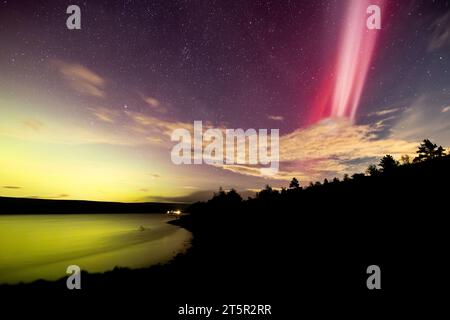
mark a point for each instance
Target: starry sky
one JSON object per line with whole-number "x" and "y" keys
{"x": 87, "y": 114}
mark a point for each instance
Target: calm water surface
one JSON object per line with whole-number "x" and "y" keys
{"x": 42, "y": 246}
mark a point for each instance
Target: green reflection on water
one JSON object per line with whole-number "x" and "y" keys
{"x": 42, "y": 246}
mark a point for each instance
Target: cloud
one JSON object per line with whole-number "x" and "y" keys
{"x": 190, "y": 187}
{"x": 12, "y": 187}
{"x": 425, "y": 118}
{"x": 155, "y": 105}
{"x": 155, "y": 129}
{"x": 330, "y": 148}
{"x": 104, "y": 114}
{"x": 61, "y": 133}
{"x": 384, "y": 112}
{"x": 81, "y": 79}
{"x": 33, "y": 124}
{"x": 62, "y": 195}
{"x": 58, "y": 196}
{"x": 440, "y": 36}
{"x": 341, "y": 139}
{"x": 445, "y": 109}
{"x": 275, "y": 118}
{"x": 144, "y": 128}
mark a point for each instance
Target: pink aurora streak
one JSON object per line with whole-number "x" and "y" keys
{"x": 340, "y": 96}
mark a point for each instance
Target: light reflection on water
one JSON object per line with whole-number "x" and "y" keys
{"x": 42, "y": 246}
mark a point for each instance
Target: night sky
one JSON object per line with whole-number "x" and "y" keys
{"x": 87, "y": 114}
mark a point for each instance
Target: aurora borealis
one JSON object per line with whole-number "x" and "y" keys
{"x": 354, "y": 57}
{"x": 87, "y": 114}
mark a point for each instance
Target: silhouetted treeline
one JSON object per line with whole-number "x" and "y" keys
{"x": 389, "y": 181}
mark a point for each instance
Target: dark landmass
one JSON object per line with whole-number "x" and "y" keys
{"x": 299, "y": 248}
{"x": 45, "y": 206}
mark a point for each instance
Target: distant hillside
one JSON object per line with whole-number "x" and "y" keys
{"x": 44, "y": 206}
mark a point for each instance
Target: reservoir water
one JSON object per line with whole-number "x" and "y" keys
{"x": 43, "y": 246}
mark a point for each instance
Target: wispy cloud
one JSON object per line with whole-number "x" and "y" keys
{"x": 12, "y": 187}
{"x": 155, "y": 129}
{"x": 62, "y": 195}
{"x": 33, "y": 124}
{"x": 440, "y": 29}
{"x": 57, "y": 196}
{"x": 384, "y": 112}
{"x": 190, "y": 187}
{"x": 144, "y": 128}
{"x": 275, "y": 118}
{"x": 425, "y": 118}
{"x": 155, "y": 104}
{"x": 81, "y": 79}
{"x": 104, "y": 114}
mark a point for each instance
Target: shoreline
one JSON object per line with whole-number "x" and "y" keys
{"x": 175, "y": 262}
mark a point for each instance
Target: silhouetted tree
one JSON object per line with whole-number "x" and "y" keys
{"x": 224, "y": 199}
{"x": 372, "y": 170}
{"x": 388, "y": 163}
{"x": 233, "y": 197}
{"x": 267, "y": 193}
{"x": 336, "y": 180}
{"x": 429, "y": 150}
{"x": 346, "y": 177}
{"x": 219, "y": 195}
{"x": 358, "y": 176}
{"x": 325, "y": 181}
{"x": 294, "y": 184}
